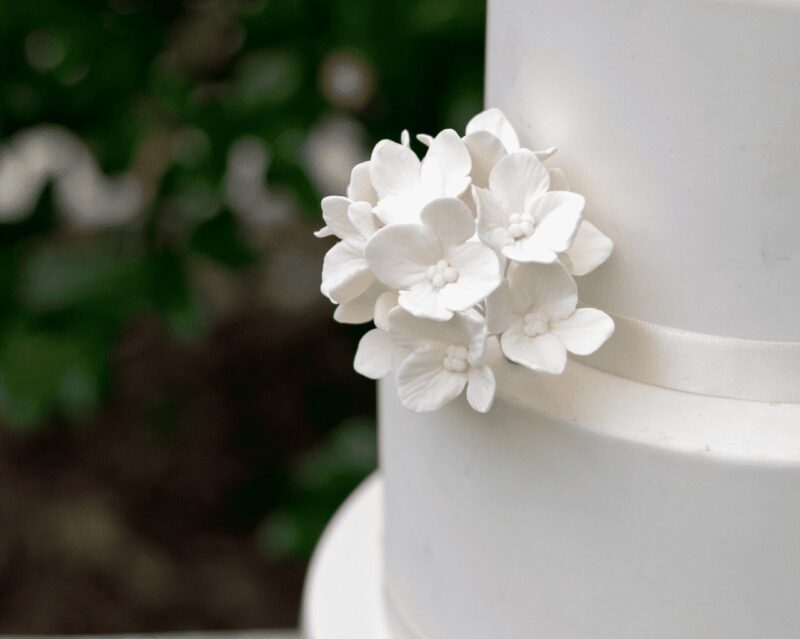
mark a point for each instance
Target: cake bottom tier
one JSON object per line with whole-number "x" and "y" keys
{"x": 586, "y": 506}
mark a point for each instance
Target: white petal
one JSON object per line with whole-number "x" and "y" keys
{"x": 325, "y": 231}
{"x": 334, "y": 212}
{"x": 495, "y": 122}
{"x": 584, "y": 331}
{"x": 481, "y": 388}
{"x": 400, "y": 255}
{"x": 559, "y": 180}
{"x": 478, "y": 275}
{"x": 360, "y": 188}
{"x": 446, "y": 167}
{"x": 449, "y": 220}
{"x": 485, "y": 150}
{"x": 517, "y": 179}
{"x": 412, "y": 332}
{"x": 405, "y": 138}
{"x": 385, "y": 304}
{"x": 546, "y": 154}
{"x": 499, "y": 314}
{"x": 559, "y": 215}
{"x": 426, "y": 302}
{"x": 543, "y": 353}
{"x": 548, "y": 289}
{"x": 362, "y": 308}
{"x": 393, "y": 169}
{"x": 399, "y": 209}
{"x": 345, "y": 273}
{"x": 529, "y": 250}
{"x": 374, "y": 355}
{"x": 426, "y": 139}
{"x": 424, "y": 385}
{"x": 363, "y": 219}
{"x": 492, "y": 219}
{"x": 589, "y": 250}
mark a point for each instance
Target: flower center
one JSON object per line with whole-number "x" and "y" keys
{"x": 520, "y": 226}
{"x": 441, "y": 274}
{"x": 536, "y": 324}
{"x": 456, "y": 359}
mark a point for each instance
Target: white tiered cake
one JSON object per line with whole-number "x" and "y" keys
{"x": 652, "y": 490}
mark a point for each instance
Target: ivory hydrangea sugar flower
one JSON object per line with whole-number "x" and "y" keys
{"x": 445, "y": 357}
{"x": 433, "y": 265}
{"x": 377, "y": 353}
{"x": 536, "y": 317}
{"x": 404, "y": 184}
{"x": 439, "y": 284}
{"x": 519, "y": 217}
{"x": 489, "y": 137}
{"x": 345, "y": 272}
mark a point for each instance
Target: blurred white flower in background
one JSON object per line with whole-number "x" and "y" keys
{"x": 347, "y": 80}
{"x": 257, "y": 205}
{"x": 44, "y": 50}
{"x": 332, "y": 148}
{"x": 89, "y": 199}
{"x": 84, "y": 195}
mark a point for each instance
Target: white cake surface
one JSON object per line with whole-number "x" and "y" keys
{"x": 678, "y": 120}
{"x": 589, "y": 506}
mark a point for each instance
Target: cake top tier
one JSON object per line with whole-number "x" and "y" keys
{"x": 680, "y": 123}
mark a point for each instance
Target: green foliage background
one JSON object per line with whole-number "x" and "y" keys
{"x": 130, "y": 78}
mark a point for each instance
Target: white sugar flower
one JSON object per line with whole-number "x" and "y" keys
{"x": 591, "y": 247}
{"x": 404, "y": 184}
{"x": 445, "y": 357}
{"x": 437, "y": 282}
{"x": 588, "y": 251}
{"x": 345, "y": 261}
{"x": 377, "y": 354}
{"x": 535, "y": 314}
{"x": 361, "y": 308}
{"x": 484, "y": 131}
{"x": 359, "y": 189}
{"x": 433, "y": 265}
{"x": 345, "y": 272}
{"x": 489, "y": 138}
{"x": 519, "y": 217}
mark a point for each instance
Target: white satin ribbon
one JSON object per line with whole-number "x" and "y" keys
{"x": 701, "y": 364}
{"x": 400, "y": 626}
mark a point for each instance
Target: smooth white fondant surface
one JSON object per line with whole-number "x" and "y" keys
{"x": 587, "y": 506}
{"x": 343, "y": 597}
{"x": 678, "y": 121}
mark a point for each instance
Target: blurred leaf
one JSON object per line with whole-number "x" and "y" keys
{"x": 40, "y": 371}
{"x": 322, "y": 478}
{"x": 218, "y": 238}
{"x": 173, "y": 297}
{"x": 59, "y": 275}
{"x": 266, "y": 78}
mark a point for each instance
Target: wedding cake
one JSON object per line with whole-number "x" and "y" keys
{"x": 652, "y": 489}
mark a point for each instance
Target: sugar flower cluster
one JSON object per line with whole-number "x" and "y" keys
{"x": 478, "y": 240}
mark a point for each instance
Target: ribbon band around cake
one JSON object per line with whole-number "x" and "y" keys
{"x": 702, "y": 364}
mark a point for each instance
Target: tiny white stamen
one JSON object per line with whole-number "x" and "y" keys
{"x": 520, "y": 226}
{"x": 536, "y": 324}
{"x": 441, "y": 274}
{"x": 457, "y": 359}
